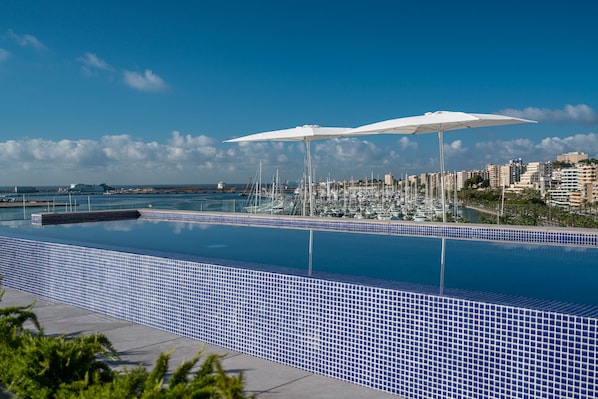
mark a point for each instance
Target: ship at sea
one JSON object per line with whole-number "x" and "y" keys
{"x": 88, "y": 188}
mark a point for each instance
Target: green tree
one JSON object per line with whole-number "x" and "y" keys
{"x": 561, "y": 164}
{"x": 474, "y": 181}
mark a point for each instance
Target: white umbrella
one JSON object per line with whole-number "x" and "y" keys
{"x": 437, "y": 122}
{"x": 305, "y": 133}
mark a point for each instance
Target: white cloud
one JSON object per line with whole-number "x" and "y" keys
{"x": 190, "y": 141}
{"x": 146, "y": 82}
{"x": 501, "y": 151}
{"x": 546, "y": 150}
{"x": 189, "y": 147}
{"x": 454, "y": 149}
{"x": 26, "y": 40}
{"x": 123, "y": 148}
{"x": 580, "y": 113}
{"x": 244, "y": 157}
{"x": 186, "y": 158}
{"x": 333, "y": 156}
{"x": 349, "y": 156}
{"x": 113, "y": 158}
{"x": 91, "y": 62}
{"x": 4, "y": 55}
{"x": 46, "y": 156}
{"x": 587, "y": 143}
{"x": 407, "y": 144}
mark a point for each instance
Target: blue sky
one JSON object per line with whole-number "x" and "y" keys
{"x": 145, "y": 92}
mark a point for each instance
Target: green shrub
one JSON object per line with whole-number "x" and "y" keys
{"x": 209, "y": 382}
{"x": 40, "y": 364}
{"x": 36, "y": 366}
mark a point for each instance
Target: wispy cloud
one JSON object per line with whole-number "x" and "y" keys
{"x": 4, "y": 55}
{"x": 146, "y": 82}
{"x": 26, "y": 40}
{"x": 580, "y": 113}
{"x": 91, "y": 63}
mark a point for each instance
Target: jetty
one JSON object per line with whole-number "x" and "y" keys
{"x": 30, "y": 204}
{"x": 175, "y": 190}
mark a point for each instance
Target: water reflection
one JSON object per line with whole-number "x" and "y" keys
{"x": 563, "y": 273}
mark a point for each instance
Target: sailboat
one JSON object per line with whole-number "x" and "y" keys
{"x": 259, "y": 202}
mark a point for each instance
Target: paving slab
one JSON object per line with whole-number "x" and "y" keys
{"x": 138, "y": 344}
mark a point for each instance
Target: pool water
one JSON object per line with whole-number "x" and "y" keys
{"x": 567, "y": 274}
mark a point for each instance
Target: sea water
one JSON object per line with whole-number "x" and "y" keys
{"x": 61, "y": 202}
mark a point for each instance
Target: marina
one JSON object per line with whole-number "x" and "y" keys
{"x": 330, "y": 200}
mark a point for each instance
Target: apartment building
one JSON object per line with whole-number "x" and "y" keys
{"x": 577, "y": 186}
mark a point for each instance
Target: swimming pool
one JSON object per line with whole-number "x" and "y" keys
{"x": 555, "y": 273}
{"x": 377, "y": 329}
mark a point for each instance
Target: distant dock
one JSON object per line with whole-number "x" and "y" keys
{"x": 179, "y": 190}
{"x": 30, "y": 204}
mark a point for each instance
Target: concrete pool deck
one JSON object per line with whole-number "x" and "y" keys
{"x": 138, "y": 344}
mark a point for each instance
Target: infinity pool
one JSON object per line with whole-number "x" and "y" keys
{"x": 566, "y": 274}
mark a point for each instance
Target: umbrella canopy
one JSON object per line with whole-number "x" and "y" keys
{"x": 437, "y": 122}
{"x": 305, "y": 133}
{"x": 299, "y": 133}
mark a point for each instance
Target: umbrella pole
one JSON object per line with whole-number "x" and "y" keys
{"x": 311, "y": 204}
{"x": 310, "y": 252}
{"x": 304, "y": 190}
{"x": 442, "y": 176}
{"x": 442, "y": 256}
{"x": 442, "y": 251}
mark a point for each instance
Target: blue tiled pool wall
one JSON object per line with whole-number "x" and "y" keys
{"x": 520, "y": 234}
{"x": 414, "y": 345}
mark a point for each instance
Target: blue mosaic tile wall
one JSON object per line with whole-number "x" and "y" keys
{"x": 555, "y": 235}
{"x": 414, "y": 345}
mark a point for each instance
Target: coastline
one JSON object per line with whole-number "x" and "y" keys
{"x": 481, "y": 209}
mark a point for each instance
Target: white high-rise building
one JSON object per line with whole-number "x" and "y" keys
{"x": 536, "y": 172}
{"x": 494, "y": 175}
{"x": 570, "y": 179}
